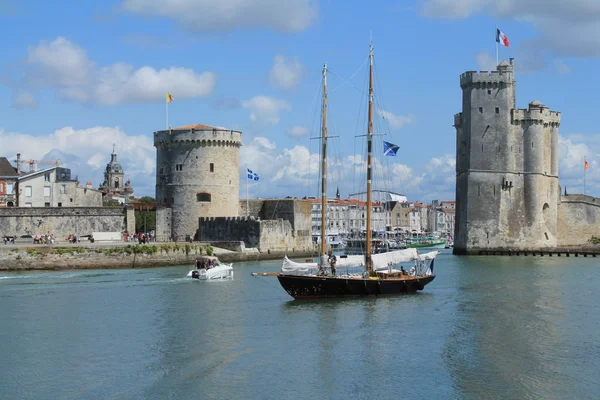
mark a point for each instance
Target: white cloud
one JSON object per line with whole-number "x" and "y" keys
{"x": 286, "y": 73}
{"x": 295, "y": 172}
{"x": 485, "y": 61}
{"x": 565, "y": 27}
{"x": 396, "y": 121}
{"x": 264, "y": 143}
{"x": 298, "y": 131}
{"x": 561, "y": 67}
{"x": 88, "y": 151}
{"x": 228, "y": 15}
{"x": 264, "y": 110}
{"x": 65, "y": 67}
{"x": 24, "y": 99}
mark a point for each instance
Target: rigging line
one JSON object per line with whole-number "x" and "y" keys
{"x": 353, "y": 75}
{"x": 348, "y": 82}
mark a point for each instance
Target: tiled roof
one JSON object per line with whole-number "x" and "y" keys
{"x": 193, "y": 126}
{"x": 6, "y": 168}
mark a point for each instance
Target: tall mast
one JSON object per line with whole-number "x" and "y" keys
{"x": 324, "y": 166}
{"x": 368, "y": 260}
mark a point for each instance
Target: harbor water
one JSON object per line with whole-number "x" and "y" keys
{"x": 485, "y": 328}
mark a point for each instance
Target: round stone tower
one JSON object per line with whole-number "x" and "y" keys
{"x": 197, "y": 174}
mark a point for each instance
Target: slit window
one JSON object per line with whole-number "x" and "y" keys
{"x": 478, "y": 190}
{"x": 203, "y": 197}
{"x": 481, "y": 110}
{"x": 179, "y": 167}
{"x": 212, "y": 167}
{"x": 497, "y": 110}
{"x": 489, "y": 91}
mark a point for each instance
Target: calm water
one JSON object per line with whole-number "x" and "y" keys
{"x": 486, "y": 327}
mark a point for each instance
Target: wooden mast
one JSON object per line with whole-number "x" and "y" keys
{"x": 368, "y": 260}
{"x": 324, "y": 169}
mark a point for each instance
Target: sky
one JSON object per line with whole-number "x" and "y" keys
{"x": 75, "y": 80}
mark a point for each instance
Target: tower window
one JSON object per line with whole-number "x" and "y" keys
{"x": 497, "y": 110}
{"x": 203, "y": 197}
{"x": 212, "y": 167}
{"x": 489, "y": 91}
{"x": 179, "y": 167}
{"x": 481, "y": 110}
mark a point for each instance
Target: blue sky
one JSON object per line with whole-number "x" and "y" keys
{"x": 78, "y": 79}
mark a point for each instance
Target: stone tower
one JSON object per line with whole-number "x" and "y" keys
{"x": 197, "y": 175}
{"x": 113, "y": 175}
{"x": 114, "y": 186}
{"x": 507, "y": 189}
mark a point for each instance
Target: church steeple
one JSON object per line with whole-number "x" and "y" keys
{"x": 337, "y": 193}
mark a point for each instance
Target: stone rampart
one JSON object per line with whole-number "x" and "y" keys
{"x": 578, "y": 220}
{"x": 62, "y": 221}
{"x": 265, "y": 235}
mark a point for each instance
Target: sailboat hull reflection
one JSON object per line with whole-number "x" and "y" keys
{"x": 316, "y": 287}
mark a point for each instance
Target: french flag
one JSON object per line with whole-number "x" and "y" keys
{"x": 502, "y": 38}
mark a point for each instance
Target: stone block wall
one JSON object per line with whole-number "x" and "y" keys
{"x": 163, "y": 224}
{"x": 578, "y": 220}
{"x": 61, "y": 221}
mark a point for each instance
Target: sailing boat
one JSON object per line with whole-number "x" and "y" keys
{"x": 379, "y": 273}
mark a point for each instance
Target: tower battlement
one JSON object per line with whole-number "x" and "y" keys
{"x": 208, "y": 136}
{"x": 537, "y": 113}
{"x": 503, "y": 75}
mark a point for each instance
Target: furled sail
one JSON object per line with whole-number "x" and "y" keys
{"x": 380, "y": 261}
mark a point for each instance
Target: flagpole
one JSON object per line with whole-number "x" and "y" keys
{"x": 247, "y": 206}
{"x": 496, "y": 33}
{"x": 584, "y": 172}
{"x": 167, "y": 112}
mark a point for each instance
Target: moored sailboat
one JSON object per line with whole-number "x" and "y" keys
{"x": 354, "y": 275}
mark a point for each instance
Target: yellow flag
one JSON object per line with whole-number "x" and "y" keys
{"x": 169, "y": 97}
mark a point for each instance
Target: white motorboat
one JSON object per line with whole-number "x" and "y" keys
{"x": 210, "y": 268}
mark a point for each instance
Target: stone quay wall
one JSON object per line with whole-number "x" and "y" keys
{"x": 44, "y": 257}
{"x": 62, "y": 221}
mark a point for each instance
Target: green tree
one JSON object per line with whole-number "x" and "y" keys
{"x": 145, "y": 220}
{"x": 111, "y": 203}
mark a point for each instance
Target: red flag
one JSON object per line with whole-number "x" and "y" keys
{"x": 586, "y": 165}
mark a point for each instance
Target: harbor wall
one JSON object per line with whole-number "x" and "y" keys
{"x": 272, "y": 235}
{"x": 137, "y": 256}
{"x": 578, "y": 220}
{"x": 62, "y": 221}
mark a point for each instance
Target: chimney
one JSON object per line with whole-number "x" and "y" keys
{"x": 19, "y": 163}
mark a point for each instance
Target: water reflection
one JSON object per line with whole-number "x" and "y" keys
{"x": 505, "y": 336}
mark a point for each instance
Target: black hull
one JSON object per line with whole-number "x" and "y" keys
{"x": 315, "y": 287}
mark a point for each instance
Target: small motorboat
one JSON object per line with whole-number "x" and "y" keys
{"x": 210, "y": 268}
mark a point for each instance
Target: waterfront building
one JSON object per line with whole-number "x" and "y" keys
{"x": 54, "y": 187}
{"x": 8, "y": 183}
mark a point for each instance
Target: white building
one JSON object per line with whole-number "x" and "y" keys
{"x": 53, "y": 187}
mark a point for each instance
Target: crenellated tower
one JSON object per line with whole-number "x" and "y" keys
{"x": 506, "y": 167}
{"x": 197, "y": 175}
